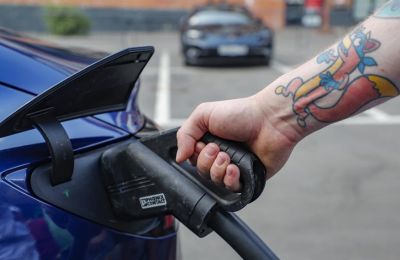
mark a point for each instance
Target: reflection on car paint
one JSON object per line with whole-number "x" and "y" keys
{"x": 30, "y": 229}
{"x": 29, "y": 146}
{"x": 42, "y": 64}
{"x": 130, "y": 120}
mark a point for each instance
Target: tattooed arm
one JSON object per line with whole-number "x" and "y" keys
{"x": 359, "y": 72}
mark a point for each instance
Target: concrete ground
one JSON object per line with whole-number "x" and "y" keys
{"x": 336, "y": 198}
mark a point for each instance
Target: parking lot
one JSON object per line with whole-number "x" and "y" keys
{"x": 337, "y": 197}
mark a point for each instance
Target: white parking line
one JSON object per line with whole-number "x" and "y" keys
{"x": 280, "y": 67}
{"x": 377, "y": 114}
{"x": 173, "y": 122}
{"x": 390, "y": 120}
{"x": 162, "y": 108}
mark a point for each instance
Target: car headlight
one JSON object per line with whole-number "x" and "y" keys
{"x": 194, "y": 34}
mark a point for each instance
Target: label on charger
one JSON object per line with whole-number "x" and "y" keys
{"x": 153, "y": 201}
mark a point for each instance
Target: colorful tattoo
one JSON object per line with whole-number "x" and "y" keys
{"x": 389, "y": 10}
{"x": 342, "y": 88}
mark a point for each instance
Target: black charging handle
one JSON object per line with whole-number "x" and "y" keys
{"x": 143, "y": 179}
{"x": 252, "y": 171}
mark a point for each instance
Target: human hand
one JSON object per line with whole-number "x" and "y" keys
{"x": 245, "y": 120}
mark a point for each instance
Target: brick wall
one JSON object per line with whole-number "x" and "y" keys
{"x": 271, "y": 11}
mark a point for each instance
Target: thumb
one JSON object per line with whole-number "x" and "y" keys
{"x": 190, "y": 133}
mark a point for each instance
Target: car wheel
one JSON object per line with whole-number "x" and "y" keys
{"x": 187, "y": 61}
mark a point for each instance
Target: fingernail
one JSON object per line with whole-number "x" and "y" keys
{"x": 229, "y": 172}
{"x": 220, "y": 160}
{"x": 211, "y": 151}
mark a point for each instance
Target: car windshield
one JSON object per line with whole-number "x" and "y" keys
{"x": 219, "y": 17}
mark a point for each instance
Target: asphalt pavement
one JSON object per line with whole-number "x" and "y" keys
{"x": 336, "y": 198}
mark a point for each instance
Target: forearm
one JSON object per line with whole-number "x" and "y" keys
{"x": 360, "y": 71}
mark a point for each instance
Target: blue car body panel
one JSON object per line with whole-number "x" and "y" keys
{"x": 35, "y": 66}
{"x": 29, "y": 227}
{"x": 15, "y": 100}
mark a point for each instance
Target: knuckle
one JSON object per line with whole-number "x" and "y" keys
{"x": 179, "y": 134}
{"x": 210, "y": 150}
{"x": 199, "y": 108}
{"x": 202, "y": 105}
{"x": 216, "y": 176}
{"x": 199, "y": 147}
{"x": 226, "y": 158}
{"x": 204, "y": 163}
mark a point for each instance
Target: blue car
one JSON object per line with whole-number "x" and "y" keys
{"x": 33, "y": 226}
{"x": 223, "y": 34}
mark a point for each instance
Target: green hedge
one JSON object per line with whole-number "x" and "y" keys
{"x": 63, "y": 20}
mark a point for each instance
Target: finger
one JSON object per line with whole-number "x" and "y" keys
{"x": 199, "y": 146}
{"x": 231, "y": 179}
{"x": 206, "y": 158}
{"x": 218, "y": 168}
{"x": 191, "y": 131}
